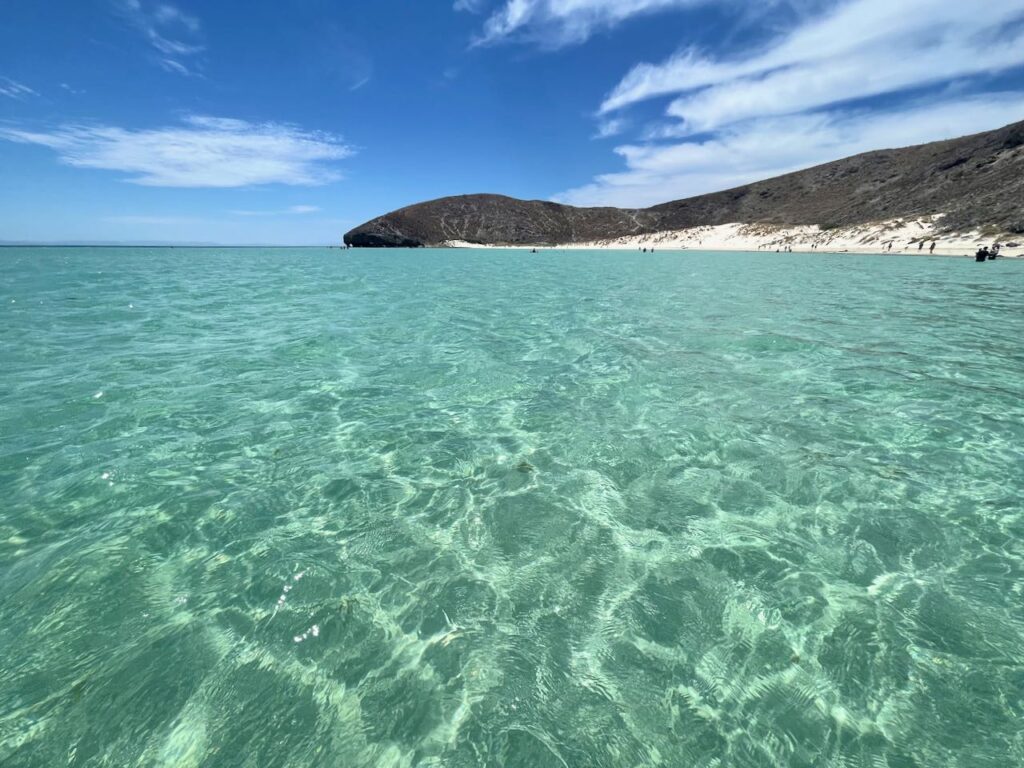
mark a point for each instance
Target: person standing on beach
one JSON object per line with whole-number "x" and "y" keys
{"x": 932, "y": 248}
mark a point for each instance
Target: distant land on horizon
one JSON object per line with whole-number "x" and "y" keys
{"x": 103, "y": 244}
{"x": 970, "y": 184}
{"x": 142, "y": 244}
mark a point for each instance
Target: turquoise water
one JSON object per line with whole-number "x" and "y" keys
{"x": 320, "y": 508}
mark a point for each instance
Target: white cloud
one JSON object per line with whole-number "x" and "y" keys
{"x": 204, "y": 152}
{"x": 470, "y": 6}
{"x": 290, "y": 211}
{"x": 167, "y": 14}
{"x": 359, "y": 83}
{"x": 860, "y": 49}
{"x": 14, "y": 90}
{"x": 174, "y": 66}
{"x": 610, "y": 127}
{"x": 562, "y": 22}
{"x": 766, "y": 147}
{"x": 171, "y": 32}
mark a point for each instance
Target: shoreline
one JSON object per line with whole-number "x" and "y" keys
{"x": 904, "y": 235}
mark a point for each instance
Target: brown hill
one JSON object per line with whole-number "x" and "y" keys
{"x": 975, "y": 182}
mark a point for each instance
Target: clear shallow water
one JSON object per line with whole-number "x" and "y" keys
{"x": 772, "y": 510}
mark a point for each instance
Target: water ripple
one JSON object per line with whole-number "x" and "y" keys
{"x": 300, "y": 508}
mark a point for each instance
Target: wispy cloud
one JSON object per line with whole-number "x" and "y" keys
{"x": 294, "y": 210}
{"x": 360, "y": 83}
{"x": 173, "y": 34}
{"x": 859, "y": 49}
{"x": 767, "y": 147}
{"x": 608, "y": 128}
{"x": 14, "y": 90}
{"x": 170, "y": 65}
{"x": 564, "y": 22}
{"x": 470, "y": 6}
{"x": 204, "y": 152}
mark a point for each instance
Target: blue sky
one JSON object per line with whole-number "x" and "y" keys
{"x": 291, "y": 121}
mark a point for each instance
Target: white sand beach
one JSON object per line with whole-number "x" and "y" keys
{"x": 905, "y": 236}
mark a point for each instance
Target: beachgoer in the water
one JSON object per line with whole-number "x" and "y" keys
{"x": 982, "y": 254}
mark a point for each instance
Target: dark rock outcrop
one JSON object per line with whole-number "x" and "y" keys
{"x": 977, "y": 182}
{"x": 494, "y": 219}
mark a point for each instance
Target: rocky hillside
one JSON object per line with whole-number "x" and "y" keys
{"x": 977, "y": 182}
